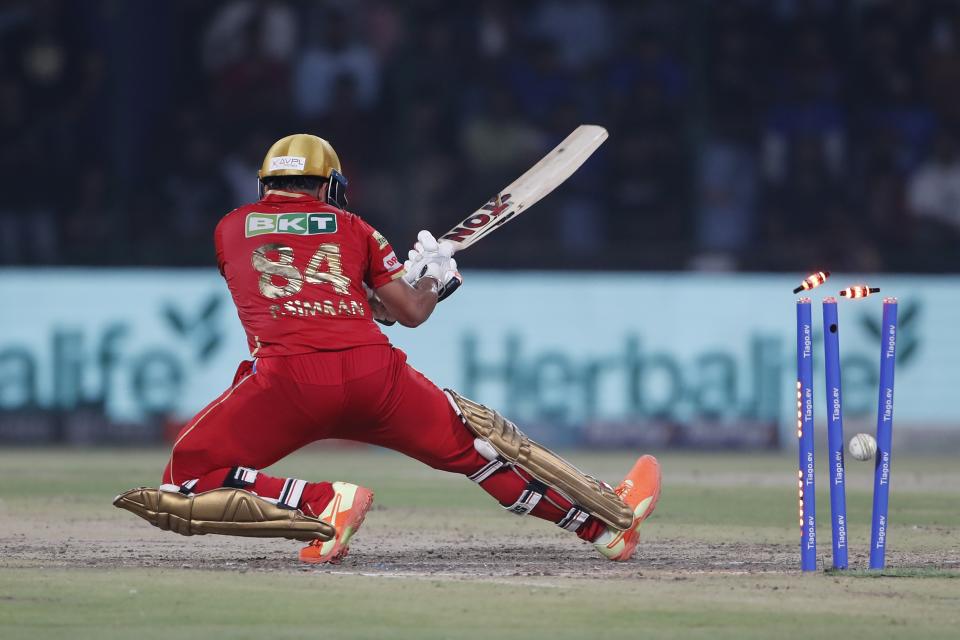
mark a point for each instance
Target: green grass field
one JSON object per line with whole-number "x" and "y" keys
{"x": 437, "y": 559}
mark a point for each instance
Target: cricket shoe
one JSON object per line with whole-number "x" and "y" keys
{"x": 640, "y": 490}
{"x": 345, "y": 512}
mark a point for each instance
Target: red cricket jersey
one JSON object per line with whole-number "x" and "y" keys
{"x": 296, "y": 267}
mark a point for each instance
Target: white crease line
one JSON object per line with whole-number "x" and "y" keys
{"x": 450, "y": 578}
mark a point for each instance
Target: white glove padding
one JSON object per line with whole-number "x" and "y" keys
{"x": 426, "y": 243}
{"x": 433, "y": 259}
{"x": 426, "y": 248}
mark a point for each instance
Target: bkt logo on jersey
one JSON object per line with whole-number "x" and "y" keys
{"x": 301, "y": 224}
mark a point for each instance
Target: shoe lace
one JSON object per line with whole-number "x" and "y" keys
{"x": 622, "y": 491}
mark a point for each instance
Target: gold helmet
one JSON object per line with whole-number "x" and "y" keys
{"x": 303, "y": 154}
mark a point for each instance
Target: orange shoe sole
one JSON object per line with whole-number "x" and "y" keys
{"x": 348, "y": 526}
{"x": 632, "y": 537}
{"x": 656, "y": 494}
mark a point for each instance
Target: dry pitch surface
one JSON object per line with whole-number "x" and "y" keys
{"x": 437, "y": 559}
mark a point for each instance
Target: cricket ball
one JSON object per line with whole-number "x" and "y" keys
{"x": 862, "y": 446}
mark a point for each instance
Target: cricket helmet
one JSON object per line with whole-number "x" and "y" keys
{"x": 302, "y": 154}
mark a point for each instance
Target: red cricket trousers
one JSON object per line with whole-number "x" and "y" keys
{"x": 365, "y": 394}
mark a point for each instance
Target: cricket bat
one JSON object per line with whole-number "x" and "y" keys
{"x": 549, "y": 173}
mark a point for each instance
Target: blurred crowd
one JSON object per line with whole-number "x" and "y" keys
{"x": 744, "y": 134}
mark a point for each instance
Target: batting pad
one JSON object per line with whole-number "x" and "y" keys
{"x": 544, "y": 465}
{"x": 225, "y": 511}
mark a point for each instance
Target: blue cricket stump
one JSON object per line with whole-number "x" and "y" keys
{"x": 881, "y": 477}
{"x": 806, "y": 483}
{"x": 838, "y": 492}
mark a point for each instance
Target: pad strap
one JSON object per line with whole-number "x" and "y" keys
{"x": 574, "y": 518}
{"x": 488, "y": 470}
{"x": 529, "y": 499}
{"x": 240, "y": 477}
{"x": 291, "y": 493}
{"x": 187, "y": 487}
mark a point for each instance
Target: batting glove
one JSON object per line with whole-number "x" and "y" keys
{"x": 432, "y": 259}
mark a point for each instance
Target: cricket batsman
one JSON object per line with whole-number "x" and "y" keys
{"x": 308, "y": 279}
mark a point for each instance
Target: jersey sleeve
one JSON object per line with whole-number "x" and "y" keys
{"x": 218, "y": 247}
{"x": 382, "y": 266}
